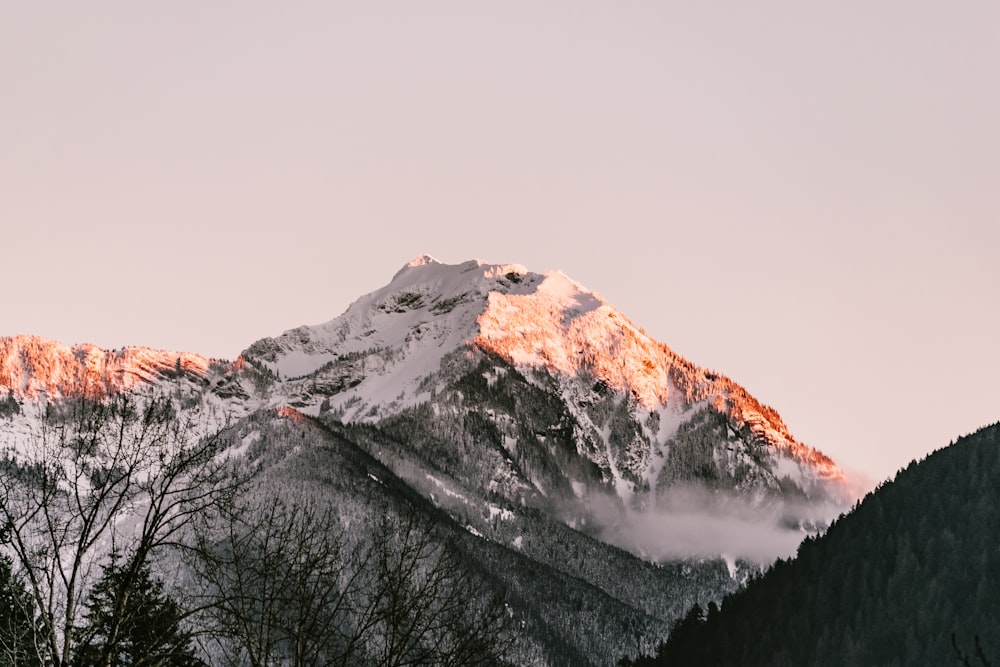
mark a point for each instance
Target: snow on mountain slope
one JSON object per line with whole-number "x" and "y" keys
{"x": 402, "y": 331}
{"x": 574, "y": 333}
{"x": 36, "y": 372}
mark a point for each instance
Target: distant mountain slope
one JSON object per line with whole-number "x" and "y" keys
{"x": 888, "y": 584}
{"x": 36, "y": 368}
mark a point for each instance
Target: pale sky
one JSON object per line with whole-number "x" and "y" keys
{"x": 802, "y": 195}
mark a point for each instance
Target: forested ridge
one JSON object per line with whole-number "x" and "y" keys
{"x": 911, "y": 565}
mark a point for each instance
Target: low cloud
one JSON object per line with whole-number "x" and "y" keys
{"x": 698, "y": 523}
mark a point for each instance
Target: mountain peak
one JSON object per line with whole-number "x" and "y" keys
{"x": 422, "y": 259}
{"x": 417, "y": 262}
{"x": 398, "y": 346}
{"x": 426, "y": 267}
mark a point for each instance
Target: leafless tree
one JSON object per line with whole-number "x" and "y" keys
{"x": 118, "y": 474}
{"x": 292, "y": 586}
{"x": 272, "y": 574}
{"x": 426, "y": 607}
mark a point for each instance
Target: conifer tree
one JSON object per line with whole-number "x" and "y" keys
{"x": 131, "y": 622}
{"x": 18, "y": 628}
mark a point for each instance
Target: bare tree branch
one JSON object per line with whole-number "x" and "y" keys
{"x": 118, "y": 473}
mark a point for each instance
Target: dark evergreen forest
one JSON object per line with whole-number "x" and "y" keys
{"x": 908, "y": 577}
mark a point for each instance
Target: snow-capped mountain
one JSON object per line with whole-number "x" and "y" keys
{"x": 519, "y": 411}
{"x": 647, "y": 418}
{"x": 487, "y": 381}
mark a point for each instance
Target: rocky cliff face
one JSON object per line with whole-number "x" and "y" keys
{"x": 34, "y": 368}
